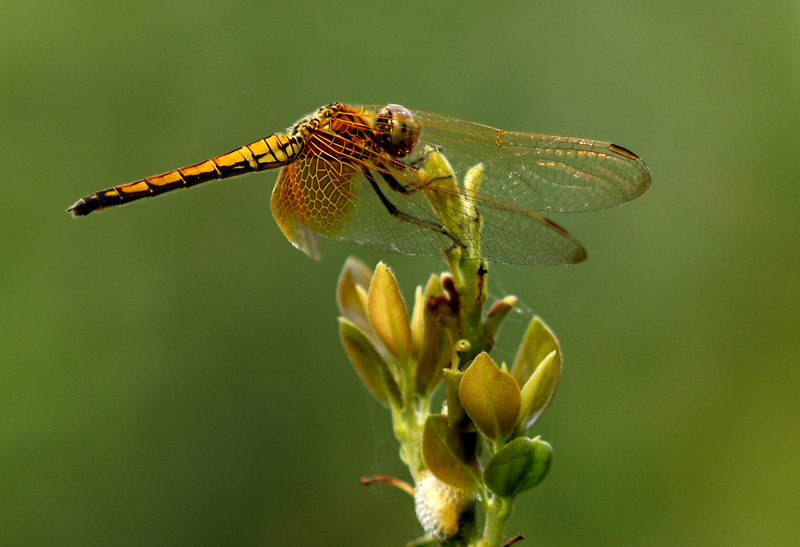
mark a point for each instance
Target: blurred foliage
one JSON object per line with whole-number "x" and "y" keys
{"x": 171, "y": 371}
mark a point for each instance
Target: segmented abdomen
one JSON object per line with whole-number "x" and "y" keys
{"x": 268, "y": 153}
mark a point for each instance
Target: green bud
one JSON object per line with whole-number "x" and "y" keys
{"x": 472, "y": 184}
{"x": 518, "y": 466}
{"x": 460, "y": 349}
{"x": 442, "y": 191}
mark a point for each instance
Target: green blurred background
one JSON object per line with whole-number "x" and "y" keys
{"x": 171, "y": 371}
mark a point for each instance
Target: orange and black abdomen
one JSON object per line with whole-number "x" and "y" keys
{"x": 273, "y": 151}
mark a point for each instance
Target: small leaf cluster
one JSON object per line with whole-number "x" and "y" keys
{"x": 476, "y": 447}
{"x": 489, "y": 402}
{"x": 381, "y": 340}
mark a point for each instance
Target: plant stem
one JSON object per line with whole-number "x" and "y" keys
{"x": 408, "y": 420}
{"x": 497, "y": 513}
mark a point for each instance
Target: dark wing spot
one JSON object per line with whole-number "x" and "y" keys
{"x": 622, "y": 151}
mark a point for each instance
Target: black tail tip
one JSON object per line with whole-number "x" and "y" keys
{"x": 81, "y": 208}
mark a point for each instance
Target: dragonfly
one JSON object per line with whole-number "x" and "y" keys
{"x": 356, "y": 174}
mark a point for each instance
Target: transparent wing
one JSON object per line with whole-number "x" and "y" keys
{"x": 538, "y": 173}
{"x": 337, "y": 199}
{"x": 334, "y": 199}
{"x": 286, "y": 204}
{"x": 525, "y": 174}
{"x": 531, "y": 239}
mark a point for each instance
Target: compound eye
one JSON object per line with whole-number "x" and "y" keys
{"x": 397, "y": 130}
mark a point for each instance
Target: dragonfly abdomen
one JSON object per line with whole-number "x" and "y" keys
{"x": 268, "y": 153}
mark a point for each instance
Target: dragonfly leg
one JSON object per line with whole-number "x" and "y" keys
{"x": 414, "y": 167}
{"x": 396, "y": 185}
{"x": 392, "y": 208}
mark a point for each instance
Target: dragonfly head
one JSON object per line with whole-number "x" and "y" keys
{"x": 397, "y": 130}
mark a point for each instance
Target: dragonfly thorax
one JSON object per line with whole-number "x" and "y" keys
{"x": 397, "y": 130}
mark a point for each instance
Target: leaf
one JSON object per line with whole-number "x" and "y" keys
{"x": 456, "y": 416}
{"x": 540, "y": 389}
{"x": 388, "y": 313}
{"x": 450, "y": 454}
{"x": 490, "y": 397}
{"x": 494, "y": 318}
{"x": 435, "y": 350}
{"x": 369, "y": 364}
{"x": 539, "y": 341}
{"x": 416, "y": 322}
{"x": 354, "y": 274}
{"x": 518, "y": 466}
